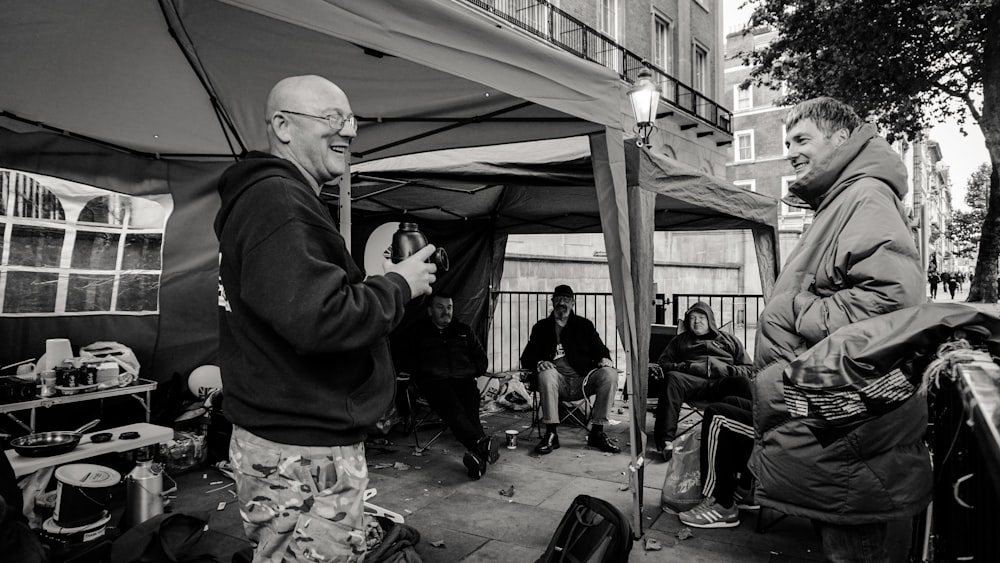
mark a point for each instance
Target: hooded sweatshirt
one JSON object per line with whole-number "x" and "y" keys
{"x": 857, "y": 260}
{"x": 721, "y": 353}
{"x": 303, "y": 343}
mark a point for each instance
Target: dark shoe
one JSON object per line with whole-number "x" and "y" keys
{"x": 475, "y": 464}
{"x": 488, "y": 449}
{"x": 549, "y": 442}
{"x": 601, "y": 441}
{"x": 666, "y": 450}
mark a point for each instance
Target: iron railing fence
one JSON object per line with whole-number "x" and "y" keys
{"x": 515, "y": 312}
{"x": 555, "y": 26}
{"x": 735, "y": 313}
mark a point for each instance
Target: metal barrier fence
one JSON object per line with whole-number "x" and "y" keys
{"x": 515, "y": 312}
{"x": 555, "y": 26}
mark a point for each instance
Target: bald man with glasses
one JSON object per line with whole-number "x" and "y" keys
{"x": 303, "y": 333}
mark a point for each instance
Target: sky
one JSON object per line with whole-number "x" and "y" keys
{"x": 962, "y": 154}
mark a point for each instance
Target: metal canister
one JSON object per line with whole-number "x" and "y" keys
{"x": 143, "y": 493}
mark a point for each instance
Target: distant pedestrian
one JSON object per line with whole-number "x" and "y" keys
{"x": 952, "y": 284}
{"x": 961, "y": 278}
{"x": 934, "y": 279}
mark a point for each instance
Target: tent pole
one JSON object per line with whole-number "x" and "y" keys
{"x": 344, "y": 205}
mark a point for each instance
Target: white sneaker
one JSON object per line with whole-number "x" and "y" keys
{"x": 710, "y": 514}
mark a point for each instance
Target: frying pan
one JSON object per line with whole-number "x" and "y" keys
{"x": 46, "y": 444}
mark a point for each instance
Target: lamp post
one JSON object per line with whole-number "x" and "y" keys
{"x": 645, "y": 97}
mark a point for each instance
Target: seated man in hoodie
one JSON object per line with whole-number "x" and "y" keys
{"x": 444, "y": 357}
{"x": 701, "y": 363}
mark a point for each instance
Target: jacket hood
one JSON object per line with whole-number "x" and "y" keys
{"x": 701, "y": 307}
{"x": 864, "y": 154}
{"x": 240, "y": 177}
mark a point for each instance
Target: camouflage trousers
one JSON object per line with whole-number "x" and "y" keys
{"x": 300, "y": 503}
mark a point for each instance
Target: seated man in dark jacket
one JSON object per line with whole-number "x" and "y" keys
{"x": 444, "y": 357}
{"x": 701, "y": 363}
{"x": 571, "y": 362}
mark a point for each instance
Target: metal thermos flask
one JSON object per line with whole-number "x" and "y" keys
{"x": 143, "y": 493}
{"x": 407, "y": 240}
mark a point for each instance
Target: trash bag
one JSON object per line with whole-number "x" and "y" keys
{"x": 682, "y": 485}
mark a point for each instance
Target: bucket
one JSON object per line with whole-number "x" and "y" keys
{"x": 82, "y": 493}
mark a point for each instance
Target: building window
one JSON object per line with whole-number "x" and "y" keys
{"x": 699, "y": 69}
{"x": 743, "y": 145}
{"x": 787, "y": 209}
{"x": 607, "y": 17}
{"x": 663, "y": 44}
{"x": 750, "y": 185}
{"x": 70, "y": 248}
{"x": 743, "y": 98}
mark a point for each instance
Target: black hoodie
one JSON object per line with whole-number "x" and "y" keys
{"x": 302, "y": 335}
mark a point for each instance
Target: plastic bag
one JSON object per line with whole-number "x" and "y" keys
{"x": 116, "y": 352}
{"x": 682, "y": 485}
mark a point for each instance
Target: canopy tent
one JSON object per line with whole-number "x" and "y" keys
{"x": 548, "y": 187}
{"x": 148, "y": 97}
{"x": 461, "y": 196}
{"x": 157, "y": 97}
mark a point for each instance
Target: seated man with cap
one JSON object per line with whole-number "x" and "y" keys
{"x": 445, "y": 357}
{"x": 571, "y": 362}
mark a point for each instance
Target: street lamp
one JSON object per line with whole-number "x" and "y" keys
{"x": 645, "y": 97}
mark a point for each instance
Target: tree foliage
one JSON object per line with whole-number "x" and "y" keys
{"x": 966, "y": 227}
{"x": 901, "y": 64}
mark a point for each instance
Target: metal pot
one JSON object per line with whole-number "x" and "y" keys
{"x": 46, "y": 444}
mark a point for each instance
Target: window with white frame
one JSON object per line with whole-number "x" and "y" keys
{"x": 787, "y": 209}
{"x": 607, "y": 17}
{"x": 743, "y": 98}
{"x": 663, "y": 43}
{"x": 743, "y": 145}
{"x": 699, "y": 69}
{"x": 750, "y": 185}
{"x": 70, "y": 248}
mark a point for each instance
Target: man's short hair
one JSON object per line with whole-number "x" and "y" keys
{"x": 829, "y": 115}
{"x": 442, "y": 295}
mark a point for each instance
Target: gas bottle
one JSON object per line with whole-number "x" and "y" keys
{"x": 143, "y": 493}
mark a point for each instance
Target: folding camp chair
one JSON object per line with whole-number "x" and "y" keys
{"x": 419, "y": 414}
{"x": 577, "y": 412}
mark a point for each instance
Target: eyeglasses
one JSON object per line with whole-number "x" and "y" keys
{"x": 561, "y": 299}
{"x": 336, "y": 122}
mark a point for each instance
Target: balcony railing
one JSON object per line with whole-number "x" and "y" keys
{"x": 514, "y": 313}
{"x": 555, "y": 26}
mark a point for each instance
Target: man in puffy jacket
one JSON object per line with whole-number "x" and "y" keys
{"x": 701, "y": 363}
{"x": 856, "y": 261}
